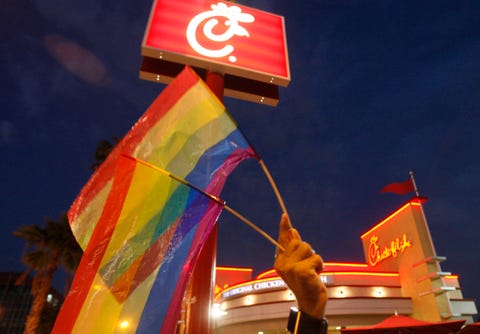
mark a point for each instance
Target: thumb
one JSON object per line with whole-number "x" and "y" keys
{"x": 283, "y": 232}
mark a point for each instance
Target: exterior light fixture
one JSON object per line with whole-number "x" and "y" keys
{"x": 124, "y": 324}
{"x": 217, "y": 311}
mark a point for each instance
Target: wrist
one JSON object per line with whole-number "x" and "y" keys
{"x": 313, "y": 307}
{"x": 314, "y": 311}
{"x": 303, "y": 323}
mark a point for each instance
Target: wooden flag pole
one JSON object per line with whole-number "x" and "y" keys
{"x": 213, "y": 198}
{"x": 255, "y": 227}
{"x": 275, "y": 189}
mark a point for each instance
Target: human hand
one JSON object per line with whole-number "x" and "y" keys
{"x": 299, "y": 267}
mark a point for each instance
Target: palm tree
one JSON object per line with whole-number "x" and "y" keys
{"x": 47, "y": 248}
{"x": 102, "y": 151}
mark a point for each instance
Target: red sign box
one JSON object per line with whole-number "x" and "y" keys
{"x": 219, "y": 36}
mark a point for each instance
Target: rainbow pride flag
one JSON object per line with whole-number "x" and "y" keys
{"x": 135, "y": 269}
{"x": 142, "y": 231}
{"x": 186, "y": 131}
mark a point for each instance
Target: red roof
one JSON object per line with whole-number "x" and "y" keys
{"x": 471, "y": 329}
{"x": 404, "y": 325}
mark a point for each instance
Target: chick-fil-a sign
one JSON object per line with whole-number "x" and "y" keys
{"x": 378, "y": 253}
{"x": 233, "y": 19}
{"x": 219, "y": 35}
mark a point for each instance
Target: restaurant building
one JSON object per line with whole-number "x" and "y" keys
{"x": 16, "y": 300}
{"x": 402, "y": 275}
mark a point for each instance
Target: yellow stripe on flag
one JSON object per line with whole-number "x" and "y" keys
{"x": 145, "y": 181}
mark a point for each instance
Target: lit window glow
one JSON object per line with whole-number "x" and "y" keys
{"x": 378, "y": 292}
{"x": 250, "y": 300}
{"x": 341, "y": 292}
{"x": 288, "y": 295}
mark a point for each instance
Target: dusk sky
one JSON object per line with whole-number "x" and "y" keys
{"x": 378, "y": 88}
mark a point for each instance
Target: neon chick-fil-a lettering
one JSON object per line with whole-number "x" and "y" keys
{"x": 377, "y": 254}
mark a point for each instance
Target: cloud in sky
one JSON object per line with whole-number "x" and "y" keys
{"x": 77, "y": 60}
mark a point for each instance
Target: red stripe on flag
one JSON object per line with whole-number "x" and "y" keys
{"x": 96, "y": 248}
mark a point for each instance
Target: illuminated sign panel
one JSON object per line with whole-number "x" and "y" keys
{"x": 394, "y": 240}
{"x": 263, "y": 285}
{"x": 399, "y": 240}
{"x": 219, "y": 36}
{"x": 255, "y": 287}
{"x": 402, "y": 243}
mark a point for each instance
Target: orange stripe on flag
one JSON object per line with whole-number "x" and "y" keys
{"x": 143, "y": 266}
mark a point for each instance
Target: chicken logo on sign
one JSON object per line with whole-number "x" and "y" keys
{"x": 233, "y": 17}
